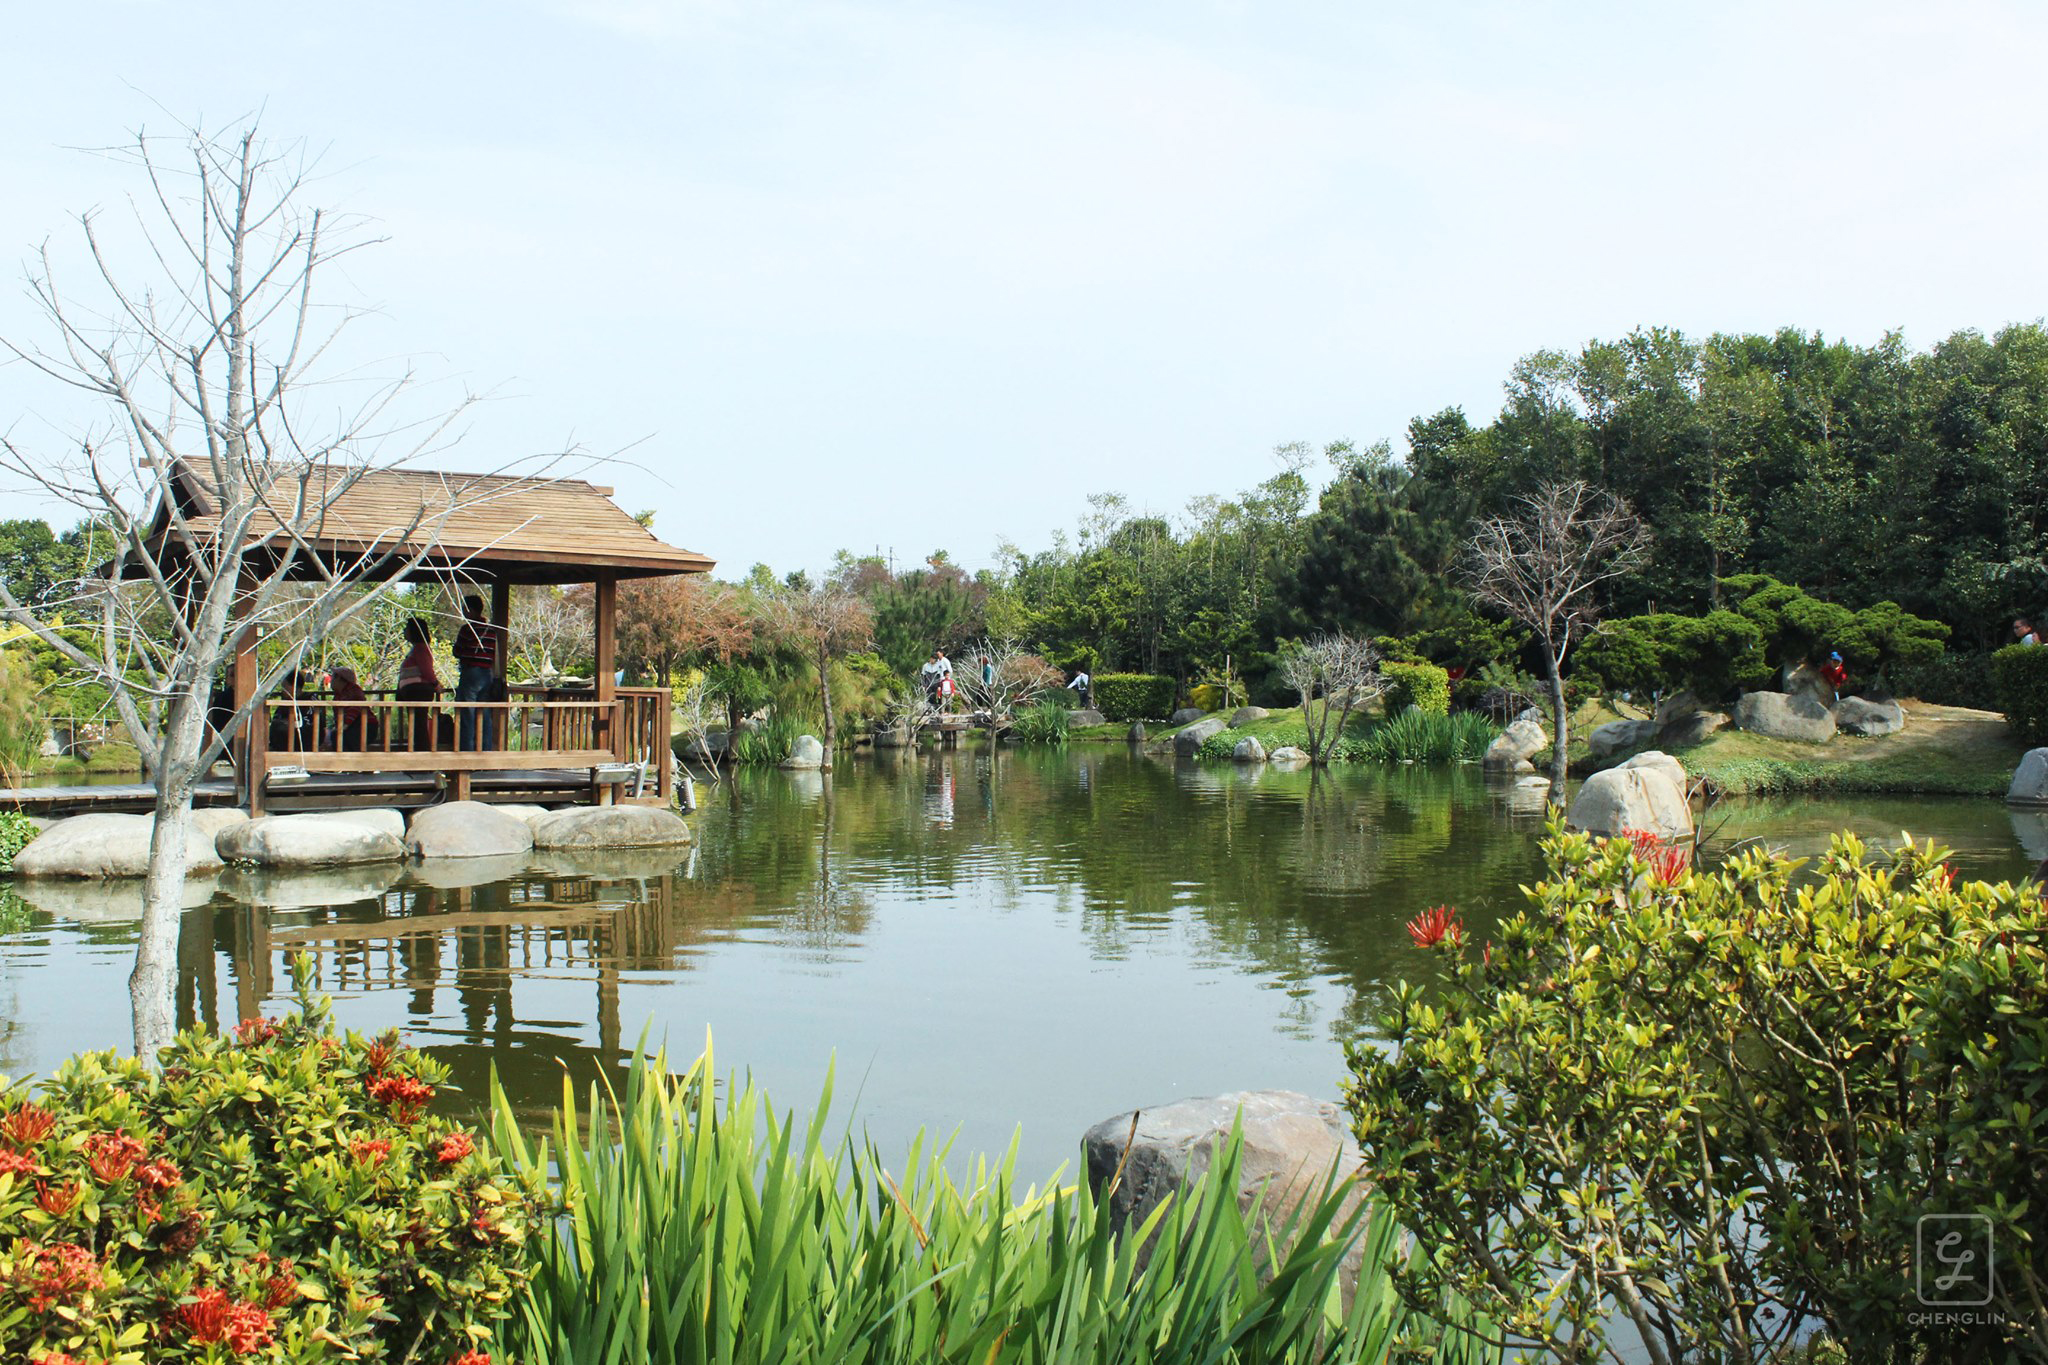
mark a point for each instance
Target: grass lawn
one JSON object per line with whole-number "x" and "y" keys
{"x": 1944, "y": 750}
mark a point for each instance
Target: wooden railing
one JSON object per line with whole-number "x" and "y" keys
{"x": 325, "y": 735}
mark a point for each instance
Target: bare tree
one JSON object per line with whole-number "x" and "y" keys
{"x": 1540, "y": 566}
{"x": 547, "y": 624}
{"x": 998, "y": 679}
{"x": 824, "y": 622}
{"x": 212, "y": 471}
{"x": 1333, "y": 675}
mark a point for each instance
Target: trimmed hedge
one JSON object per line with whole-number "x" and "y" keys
{"x": 2020, "y": 673}
{"x": 1425, "y": 687}
{"x": 1134, "y": 696}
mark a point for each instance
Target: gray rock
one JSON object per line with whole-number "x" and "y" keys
{"x": 1778, "y": 715}
{"x": 1685, "y": 731}
{"x": 1187, "y": 715}
{"x": 1861, "y": 716}
{"x": 2030, "y": 827}
{"x": 1249, "y": 750}
{"x": 1287, "y": 756}
{"x": 1657, "y": 761}
{"x": 1619, "y": 736}
{"x": 897, "y": 736}
{"x": 806, "y": 752}
{"x": 1529, "y": 796}
{"x": 106, "y": 845}
{"x": 314, "y": 839}
{"x": 116, "y": 900}
{"x": 1623, "y": 800}
{"x": 322, "y": 886}
{"x": 523, "y": 812}
{"x": 467, "y": 829}
{"x": 1513, "y": 747}
{"x": 1290, "y": 1145}
{"x": 1804, "y": 681}
{"x": 588, "y": 827}
{"x": 451, "y": 874}
{"x": 1676, "y": 707}
{"x": 384, "y": 818}
{"x": 2029, "y": 785}
{"x": 211, "y": 820}
{"x": 1245, "y": 715}
{"x": 706, "y": 748}
{"x": 1194, "y": 736}
{"x": 612, "y": 866}
{"x": 1087, "y": 715}
{"x": 1136, "y": 734}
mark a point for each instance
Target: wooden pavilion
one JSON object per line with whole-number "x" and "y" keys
{"x": 593, "y": 742}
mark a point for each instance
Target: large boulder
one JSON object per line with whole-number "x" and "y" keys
{"x": 1618, "y": 737}
{"x": 1288, "y": 756}
{"x": 1861, "y": 716}
{"x": 1529, "y": 796}
{"x": 1249, "y": 750}
{"x": 1513, "y": 747}
{"x": 314, "y": 839}
{"x": 211, "y": 820}
{"x": 2029, "y": 786}
{"x": 322, "y": 887}
{"x": 610, "y": 827}
{"x": 1642, "y": 794}
{"x": 467, "y": 829}
{"x": 1136, "y": 734}
{"x": 1086, "y": 715}
{"x": 1187, "y": 715}
{"x": 1685, "y": 731}
{"x": 1195, "y": 736}
{"x": 107, "y": 845}
{"x": 1245, "y": 715}
{"x": 2030, "y": 827}
{"x": 806, "y": 752}
{"x": 1780, "y": 715}
{"x": 1802, "y": 680}
{"x": 1290, "y": 1145}
{"x": 896, "y": 736}
{"x": 520, "y": 811}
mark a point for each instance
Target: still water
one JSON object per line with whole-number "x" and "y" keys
{"x": 1023, "y": 947}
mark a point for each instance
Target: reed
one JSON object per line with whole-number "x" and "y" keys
{"x": 701, "y": 1230}
{"x": 1043, "y": 722}
{"x": 1424, "y": 737}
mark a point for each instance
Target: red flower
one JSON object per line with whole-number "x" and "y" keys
{"x": 370, "y": 1151}
{"x": 1440, "y": 925}
{"x": 253, "y": 1031}
{"x": 407, "y": 1095}
{"x": 157, "y": 1175}
{"x": 472, "y": 1358}
{"x": 281, "y": 1288}
{"x": 482, "y": 1228}
{"x": 27, "y": 1124}
{"x": 16, "y": 1163}
{"x": 454, "y": 1147}
{"x": 1666, "y": 860}
{"x": 212, "y": 1316}
{"x": 112, "y": 1155}
{"x": 56, "y": 1200}
{"x": 1946, "y": 875}
{"x": 55, "y": 1274}
{"x": 379, "y": 1055}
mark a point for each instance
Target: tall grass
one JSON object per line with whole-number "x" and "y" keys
{"x": 769, "y": 742}
{"x": 1419, "y": 737}
{"x": 1042, "y": 722}
{"x": 708, "y": 1231}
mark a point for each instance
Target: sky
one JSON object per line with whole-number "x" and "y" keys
{"x": 899, "y": 277}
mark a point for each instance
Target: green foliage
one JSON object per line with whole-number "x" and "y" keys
{"x": 1424, "y": 737}
{"x": 282, "y": 1195}
{"x": 1709, "y": 656}
{"x": 768, "y": 741}
{"x": 1746, "y": 1085}
{"x": 1423, "y": 686}
{"x": 23, "y": 723}
{"x": 1044, "y": 721}
{"x": 16, "y": 830}
{"x": 2020, "y": 673}
{"x": 704, "y": 1229}
{"x": 1797, "y": 627}
{"x": 1134, "y": 696}
{"x": 1948, "y": 680}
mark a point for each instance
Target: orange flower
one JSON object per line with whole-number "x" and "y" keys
{"x": 27, "y": 1124}
{"x": 370, "y": 1151}
{"x": 407, "y": 1095}
{"x": 56, "y": 1200}
{"x": 212, "y": 1316}
{"x": 472, "y": 1358}
{"x": 16, "y": 1163}
{"x": 1440, "y": 925}
{"x": 112, "y": 1155}
{"x": 56, "y": 1274}
{"x": 1666, "y": 860}
{"x": 454, "y": 1147}
{"x": 253, "y": 1031}
{"x": 157, "y": 1175}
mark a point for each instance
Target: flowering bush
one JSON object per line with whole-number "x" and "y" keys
{"x": 278, "y": 1195}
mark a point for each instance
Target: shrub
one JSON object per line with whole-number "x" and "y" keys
{"x": 1747, "y": 1086}
{"x": 1709, "y": 656}
{"x": 16, "y": 830}
{"x": 281, "y": 1195}
{"x": 1948, "y": 680}
{"x": 769, "y": 741}
{"x": 1042, "y": 722}
{"x": 1424, "y": 686}
{"x": 1797, "y": 627}
{"x": 2020, "y": 673}
{"x": 1425, "y": 737}
{"x": 1134, "y": 696}
{"x": 703, "y": 1229}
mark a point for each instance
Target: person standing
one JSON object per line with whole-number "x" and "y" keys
{"x": 478, "y": 655}
{"x": 1835, "y": 674}
{"x": 2024, "y": 632}
{"x": 417, "y": 681}
{"x": 929, "y": 676}
{"x": 1083, "y": 687}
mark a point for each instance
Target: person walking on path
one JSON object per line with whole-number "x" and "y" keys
{"x": 2024, "y": 632}
{"x": 477, "y": 655}
{"x": 1084, "y": 687}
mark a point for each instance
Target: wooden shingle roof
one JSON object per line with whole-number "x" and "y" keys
{"x": 492, "y": 527}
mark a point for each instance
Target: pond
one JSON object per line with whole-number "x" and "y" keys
{"x": 1033, "y": 944}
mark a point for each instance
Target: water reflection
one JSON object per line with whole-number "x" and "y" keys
{"x": 981, "y": 940}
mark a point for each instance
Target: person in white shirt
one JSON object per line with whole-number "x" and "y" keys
{"x": 1084, "y": 686}
{"x": 2023, "y": 631}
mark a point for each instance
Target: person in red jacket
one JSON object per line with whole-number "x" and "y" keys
{"x": 1834, "y": 673}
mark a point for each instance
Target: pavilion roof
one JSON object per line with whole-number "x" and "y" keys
{"x": 491, "y": 527}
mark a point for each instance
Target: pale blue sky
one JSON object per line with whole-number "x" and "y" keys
{"x": 915, "y": 275}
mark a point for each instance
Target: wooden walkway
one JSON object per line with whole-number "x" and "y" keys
{"x": 320, "y": 791}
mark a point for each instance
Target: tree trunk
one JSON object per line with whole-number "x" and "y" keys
{"x": 1558, "y": 722}
{"x": 825, "y": 695}
{"x": 152, "y": 986}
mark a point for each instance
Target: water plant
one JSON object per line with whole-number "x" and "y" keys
{"x": 706, "y": 1229}
{"x": 1043, "y": 722}
{"x": 769, "y": 741}
{"x": 1425, "y": 737}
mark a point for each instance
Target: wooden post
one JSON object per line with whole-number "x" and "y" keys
{"x": 501, "y": 627}
{"x": 605, "y": 685}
